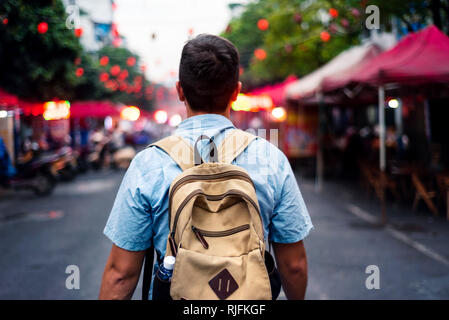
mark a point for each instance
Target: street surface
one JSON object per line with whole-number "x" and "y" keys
{"x": 40, "y": 237}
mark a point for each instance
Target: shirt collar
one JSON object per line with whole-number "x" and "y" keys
{"x": 204, "y": 122}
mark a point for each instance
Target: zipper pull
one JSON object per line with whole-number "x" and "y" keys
{"x": 200, "y": 237}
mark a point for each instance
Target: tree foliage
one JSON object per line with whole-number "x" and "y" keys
{"x": 45, "y": 66}
{"x": 35, "y": 65}
{"x": 293, "y": 41}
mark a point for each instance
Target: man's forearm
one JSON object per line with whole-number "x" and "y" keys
{"x": 115, "y": 287}
{"x": 294, "y": 282}
{"x": 121, "y": 274}
{"x": 292, "y": 264}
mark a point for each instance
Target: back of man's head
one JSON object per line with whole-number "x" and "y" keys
{"x": 209, "y": 73}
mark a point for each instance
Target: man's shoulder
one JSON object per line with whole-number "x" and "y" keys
{"x": 264, "y": 148}
{"x": 150, "y": 158}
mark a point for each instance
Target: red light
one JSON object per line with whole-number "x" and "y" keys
{"x": 263, "y": 24}
{"x": 298, "y": 18}
{"x": 260, "y": 54}
{"x": 131, "y": 61}
{"x": 333, "y": 12}
{"x": 325, "y": 36}
{"x": 79, "y": 72}
{"x": 115, "y": 70}
{"x": 143, "y": 68}
{"x": 5, "y": 21}
{"x": 104, "y": 77}
{"x": 42, "y": 27}
{"x": 104, "y": 60}
{"x": 117, "y": 42}
{"x": 123, "y": 74}
{"x": 78, "y": 32}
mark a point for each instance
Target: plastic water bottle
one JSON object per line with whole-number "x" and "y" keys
{"x": 166, "y": 269}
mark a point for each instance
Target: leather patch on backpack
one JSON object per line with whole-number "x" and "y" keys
{"x": 223, "y": 284}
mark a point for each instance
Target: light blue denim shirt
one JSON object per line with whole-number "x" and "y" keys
{"x": 139, "y": 217}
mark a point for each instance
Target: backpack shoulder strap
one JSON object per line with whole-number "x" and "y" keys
{"x": 178, "y": 149}
{"x": 234, "y": 144}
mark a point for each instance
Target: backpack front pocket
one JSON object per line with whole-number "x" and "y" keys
{"x": 201, "y": 234}
{"x": 203, "y": 277}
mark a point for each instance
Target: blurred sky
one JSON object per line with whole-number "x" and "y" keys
{"x": 170, "y": 21}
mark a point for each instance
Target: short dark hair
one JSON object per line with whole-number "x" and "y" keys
{"x": 209, "y": 72}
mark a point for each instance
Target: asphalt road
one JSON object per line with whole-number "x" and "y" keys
{"x": 40, "y": 237}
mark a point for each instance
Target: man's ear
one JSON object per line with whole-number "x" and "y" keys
{"x": 236, "y": 91}
{"x": 180, "y": 92}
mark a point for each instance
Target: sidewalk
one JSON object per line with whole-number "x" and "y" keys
{"x": 411, "y": 251}
{"x": 420, "y": 226}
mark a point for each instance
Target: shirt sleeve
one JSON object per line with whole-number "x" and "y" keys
{"x": 130, "y": 222}
{"x": 290, "y": 222}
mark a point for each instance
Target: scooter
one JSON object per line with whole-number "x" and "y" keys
{"x": 37, "y": 174}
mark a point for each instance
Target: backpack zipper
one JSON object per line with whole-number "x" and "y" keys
{"x": 208, "y": 197}
{"x": 200, "y": 234}
{"x": 215, "y": 176}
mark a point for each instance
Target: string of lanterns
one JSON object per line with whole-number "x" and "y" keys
{"x": 325, "y": 35}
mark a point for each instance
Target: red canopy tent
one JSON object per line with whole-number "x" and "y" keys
{"x": 7, "y": 99}
{"x": 94, "y": 109}
{"x": 276, "y": 91}
{"x": 421, "y": 57}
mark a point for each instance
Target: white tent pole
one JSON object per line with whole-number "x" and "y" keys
{"x": 382, "y": 158}
{"x": 319, "y": 157}
{"x": 382, "y": 154}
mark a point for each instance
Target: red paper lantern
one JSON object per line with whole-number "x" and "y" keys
{"x": 104, "y": 77}
{"x": 298, "y": 18}
{"x": 79, "y": 72}
{"x": 115, "y": 70}
{"x": 325, "y": 36}
{"x": 117, "y": 42}
{"x": 263, "y": 24}
{"x": 42, "y": 27}
{"x": 78, "y": 32}
{"x": 104, "y": 60}
{"x": 344, "y": 23}
{"x": 355, "y": 12}
{"x": 260, "y": 54}
{"x": 5, "y": 21}
{"x": 333, "y": 12}
{"x": 131, "y": 61}
{"x": 123, "y": 74}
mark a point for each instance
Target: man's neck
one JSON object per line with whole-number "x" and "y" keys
{"x": 191, "y": 113}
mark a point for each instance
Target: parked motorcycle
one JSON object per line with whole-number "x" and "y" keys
{"x": 35, "y": 172}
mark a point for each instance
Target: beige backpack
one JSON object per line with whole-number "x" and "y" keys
{"x": 216, "y": 230}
